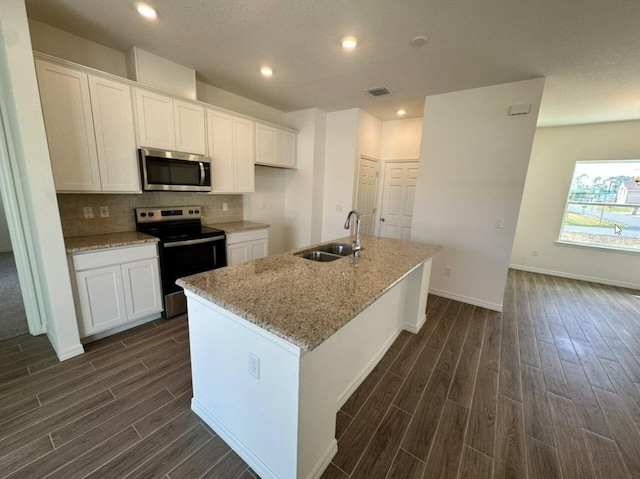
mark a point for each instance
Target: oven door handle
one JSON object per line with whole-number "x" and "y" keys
{"x": 192, "y": 242}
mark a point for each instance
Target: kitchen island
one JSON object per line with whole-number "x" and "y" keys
{"x": 280, "y": 343}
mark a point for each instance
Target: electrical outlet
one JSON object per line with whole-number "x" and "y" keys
{"x": 104, "y": 212}
{"x": 87, "y": 212}
{"x": 534, "y": 252}
{"x": 225, "y": 206}
{"x": 500, "y": 223}
{"x": 254, "y": 365}
{"x": 447, "y": 271}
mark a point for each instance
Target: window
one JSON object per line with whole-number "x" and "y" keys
{"x": 603, "y": 207}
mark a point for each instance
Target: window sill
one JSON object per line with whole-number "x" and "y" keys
{"x": 611, "y": 249}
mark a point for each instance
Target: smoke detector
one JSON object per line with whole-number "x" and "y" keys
{"x": 378, "y": 91}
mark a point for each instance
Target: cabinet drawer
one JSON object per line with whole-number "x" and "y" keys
{"x": 251, "y": 235}
{"x": 98, "y": 259}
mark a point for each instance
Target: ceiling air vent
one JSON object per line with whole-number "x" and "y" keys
{"x": 379, "y": 91}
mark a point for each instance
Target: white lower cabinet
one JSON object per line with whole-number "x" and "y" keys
{"x": 115, "y": 287}
{"x": 245, "y": 246}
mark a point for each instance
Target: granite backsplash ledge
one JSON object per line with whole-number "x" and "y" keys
{"x": 121, "y": 210}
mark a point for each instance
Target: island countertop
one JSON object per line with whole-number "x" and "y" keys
{"x": 303, "y": 301}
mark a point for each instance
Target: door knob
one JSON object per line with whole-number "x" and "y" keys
{"x": 381, "y": 219}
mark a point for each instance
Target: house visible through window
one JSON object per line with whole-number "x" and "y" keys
{"x": 603, "y": 207}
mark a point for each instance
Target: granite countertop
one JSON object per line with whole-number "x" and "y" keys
{"x": 83, "y": 244}
{"x": 305, "y": 302}
{"x": 235, "y": 226}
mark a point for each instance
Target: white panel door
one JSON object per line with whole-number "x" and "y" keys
{"x": 156, "y": 127}
{"x": 115, "y": 138}
{"x": 266, "y": 145}
{"x": 220, "y": 140}
{"x": 190, "y": 127}
{"x": 398, "y": 193}
{"x": 244, "y": 155}
{"x": 366, "y": 195}
{"x": 141, "y": 284}
{"x": 66, "y": 106}
{"x": 101, "y": 296}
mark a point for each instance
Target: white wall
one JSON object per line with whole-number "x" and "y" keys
{"x": 401, "y": 139}
{"x": 305, "y": 185}
{"x": 23, "y": 114}
{"x": 369, "y": 135}
{"x": 555, "y": 151}
{"x": 266, "y": 205}
{"x": 340, "y": 158}
{"x": 5, "y": 240}
{"x": 56, "y": 42}
{"x": 473, "y": 164}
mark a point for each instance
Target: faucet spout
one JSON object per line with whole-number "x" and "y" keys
{"x": 347, "y": 224}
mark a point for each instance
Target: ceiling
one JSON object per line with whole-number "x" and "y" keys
{"x": 587, "y": 50}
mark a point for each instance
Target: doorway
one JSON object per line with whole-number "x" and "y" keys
{"x": 398, "y": 193}
{"x": 366, "y": 194}
{"x": 13, "y": 319}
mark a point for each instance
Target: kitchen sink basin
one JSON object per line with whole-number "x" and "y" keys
{"x": 341, "y": 249}
{"x": 326, "y": 252}
{"x": 316, "y": 255}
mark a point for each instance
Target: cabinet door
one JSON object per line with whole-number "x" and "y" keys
{"x": 220, "y": 140}
{"x": 190, "y": 130}
{"x": 266, "y": 141}
{"x": 155, "y": 120}
{"x": 286, "y": 149}
{"x": 244, "y": 155}
{"x": 66, "y": 106}
{"x": 141, "y": 284}
{"x": 259, "y": 249}
{"x": 238, "y": 253}
{"x": 101, "y": 296}
{"x": 115, "y": 138}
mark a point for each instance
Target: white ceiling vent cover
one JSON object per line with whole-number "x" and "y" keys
{"x": 378, "y": 91}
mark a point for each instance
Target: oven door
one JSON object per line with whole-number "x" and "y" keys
{"x": 184, "y": 258}
{"x": 173, "y": 171}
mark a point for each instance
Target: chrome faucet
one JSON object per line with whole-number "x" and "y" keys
{"x": 347, "y": 225}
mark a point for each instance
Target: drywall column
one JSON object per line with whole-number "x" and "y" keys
{"x": 555, "y": 151}
{"x": 305, "y": 185}
{"x": 20, "y": 104}
{"x": 473, "y": 164}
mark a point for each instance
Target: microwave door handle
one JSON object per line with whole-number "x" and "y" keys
{"x": 201, "y": 174}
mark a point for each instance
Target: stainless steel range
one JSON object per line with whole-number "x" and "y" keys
{"x": 186, "y": 247}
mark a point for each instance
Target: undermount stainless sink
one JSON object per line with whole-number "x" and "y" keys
{"x": 326, "y": 252}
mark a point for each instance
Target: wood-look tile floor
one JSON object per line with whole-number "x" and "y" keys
{"x": 549, "y": 388}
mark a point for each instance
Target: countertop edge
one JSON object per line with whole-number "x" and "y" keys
{"x": 237, "y": 226}
{"x": 106, "y": 243}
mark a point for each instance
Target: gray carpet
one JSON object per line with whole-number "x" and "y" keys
{"x": 13, "y": 321}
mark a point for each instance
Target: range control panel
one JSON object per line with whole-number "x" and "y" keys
{"x": 150, "y": 215}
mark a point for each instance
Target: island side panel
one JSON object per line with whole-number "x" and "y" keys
{"x": 416, "y": 305}
{"x": 332, "y": 372}
{"x": 258, "y": 418}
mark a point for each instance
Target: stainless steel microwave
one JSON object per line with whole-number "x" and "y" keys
{"x": 164, "y": 170}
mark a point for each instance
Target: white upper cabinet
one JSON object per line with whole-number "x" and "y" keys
{"x": 115, "y": 136}
{"x": 89, "y": 123}
{"x": 156, "y": 126}
{"x": 169, "y": 124}
{"x": 190, "y": 129}
{"x": 66, "y": 106}
{"x": 275, "y": 146}
{"x": 232, "y": 152}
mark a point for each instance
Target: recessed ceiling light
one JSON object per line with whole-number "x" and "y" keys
{"x": 147, "y": 11}
{"x": 266, "y": 71}
{"x": 401, "y": 112}
{"x": 349, "y": 43}
{"x": 419, "y": 41}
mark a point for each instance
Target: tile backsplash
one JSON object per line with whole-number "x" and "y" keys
{"x": 121, "y": 210}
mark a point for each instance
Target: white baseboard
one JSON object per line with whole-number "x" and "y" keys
{"x": 324, "y": 460}
{"x": 119, "y": 329}
{"x": 579, "y": 277}
{"x": 414, "y": 329}
{"x": 465, "y": 299}
{"x": 6, "y": 250}
{"x": 69, "y": 353}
